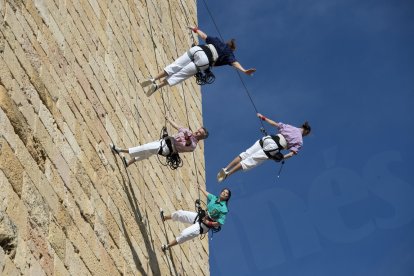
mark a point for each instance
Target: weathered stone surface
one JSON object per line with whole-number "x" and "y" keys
{"x": 11, "y": 166}
{"x": 38, "y": 209}
{"x": 70, "y": 74}
{"x": 8, "y": 235}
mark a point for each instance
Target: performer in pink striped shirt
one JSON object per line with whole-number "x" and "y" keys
{"x": 183, "y": 141}
{"x": 269, "y": 147}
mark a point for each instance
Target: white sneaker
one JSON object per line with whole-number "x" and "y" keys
{"x": 145, "y": 83}
{"x": 151, "y": 89}
{"x": 222, "y": 175}
{"x": 114, "y": 148}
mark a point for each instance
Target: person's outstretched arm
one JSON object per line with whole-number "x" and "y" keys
{"x": 289, "y": 155}
{"x": 199, "y": 32}
{"x": 204, "y": 191}
{"x": 205, "y": 220}
{"x": 172, "y": 123}
{"x": 211, "y": 223}
{"x": 238, "y": 66}
{"x": 267, "y": 120}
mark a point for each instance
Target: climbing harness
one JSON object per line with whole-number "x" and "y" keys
{"x": 262, "y": 128}
{"x": 280, "y": 169}
{"x": 201, "y": 214}
{"x": 274, "y": 154}
{"x": 205, "y": 76}
{"x": 173, "y": 159}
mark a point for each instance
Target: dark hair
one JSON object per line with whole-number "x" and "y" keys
{"x": 232, "y": 44}
{"x": 228, "y": 198}
{"x": 206, "y": 132}
{"x": 306, "y": 127}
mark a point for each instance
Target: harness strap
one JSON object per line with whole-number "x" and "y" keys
{"x": 204, "y": 76}
{"x": 173, "y": 159}
{"x": 170, "y": 145}
{"x": 208, "y": 53}
{"x": 214, "y": 229}
{"x": 277, "y": 156}
{"x": 206, "y": 50}
{"x": 201, "y": 214}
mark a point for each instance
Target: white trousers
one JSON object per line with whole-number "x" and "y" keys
{"x": 190, "y": 232}
{"x": 255, "y": 155}
{"x": 183, "y": 68}
{"x": 144, "y": 151}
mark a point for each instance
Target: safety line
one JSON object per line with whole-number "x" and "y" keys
{"x": 156, "y": 62}
{"x": 263, "y": 129}
{"x": 185, "y": 101}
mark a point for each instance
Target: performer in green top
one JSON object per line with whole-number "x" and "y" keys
{"x": 214, "y": 218}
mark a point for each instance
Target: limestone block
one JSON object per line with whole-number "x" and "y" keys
{"x": 8, "y": 235}
{"x": 21, "y": 125}
{"x": 59, "y": 267}
{"x": 71, "y": 73}
{"x": 73, "y": 263}
{"x": 4, "y": 195}
{"x": 2, "y": 258}
{"x": 63, "y": 218}
{"x": 11, "y": 166}
{"x": 85, "y": 253}
{"x": 9, "y": 268}
{"x": 14, "y": 208}
{"x": 36, "y": 269}
{"x": 57, "y": 240}
{"x": 40, "y": 250}
{"x": 112, "y": 249}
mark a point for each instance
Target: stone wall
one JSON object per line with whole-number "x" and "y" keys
{"x": 69, "y": 84}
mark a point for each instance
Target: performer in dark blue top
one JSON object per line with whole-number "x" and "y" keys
{"x": 198, "y": 58}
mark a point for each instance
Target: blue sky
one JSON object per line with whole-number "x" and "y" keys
{"x": 344, "y": 205}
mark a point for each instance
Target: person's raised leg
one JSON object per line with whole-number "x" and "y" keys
{"x": 225, "y": 172}
{"x": 234, "y": 169}
{"x": 142, "y": 152}
{"x": 163, "y": 74}
{"x": 165, "y": 247}
{"x": 116, "y": 149}
{"x": 154, "y": 87}
{"x": 233, "y": 163}
{"x": 165, "y": 217}
{"x": 184, "y": 73}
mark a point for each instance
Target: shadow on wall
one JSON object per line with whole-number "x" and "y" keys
{"x": 169, "y": 250}
{"x": 132, "y": 199}
{"x": 153, "y": 261}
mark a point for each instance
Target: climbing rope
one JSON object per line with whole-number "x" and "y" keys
{"x": 190, "y": 33}
{"x": 173, "y": 160}
{"x": 262, "y": 128}
{"x": 194, "y": 157}
{"x": 201, "y": 213}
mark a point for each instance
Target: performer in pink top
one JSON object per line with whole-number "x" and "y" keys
{"x": 183, "y": 141}
{"x": 269, "y": 147}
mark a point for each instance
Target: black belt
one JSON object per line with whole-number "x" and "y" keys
{"x": 278, "y": 156}
{"x": 275, "y": 138}
{"x": 209, "y": 227}
{"x": 169, "y": 145}
{"x": 208, "y": 53}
